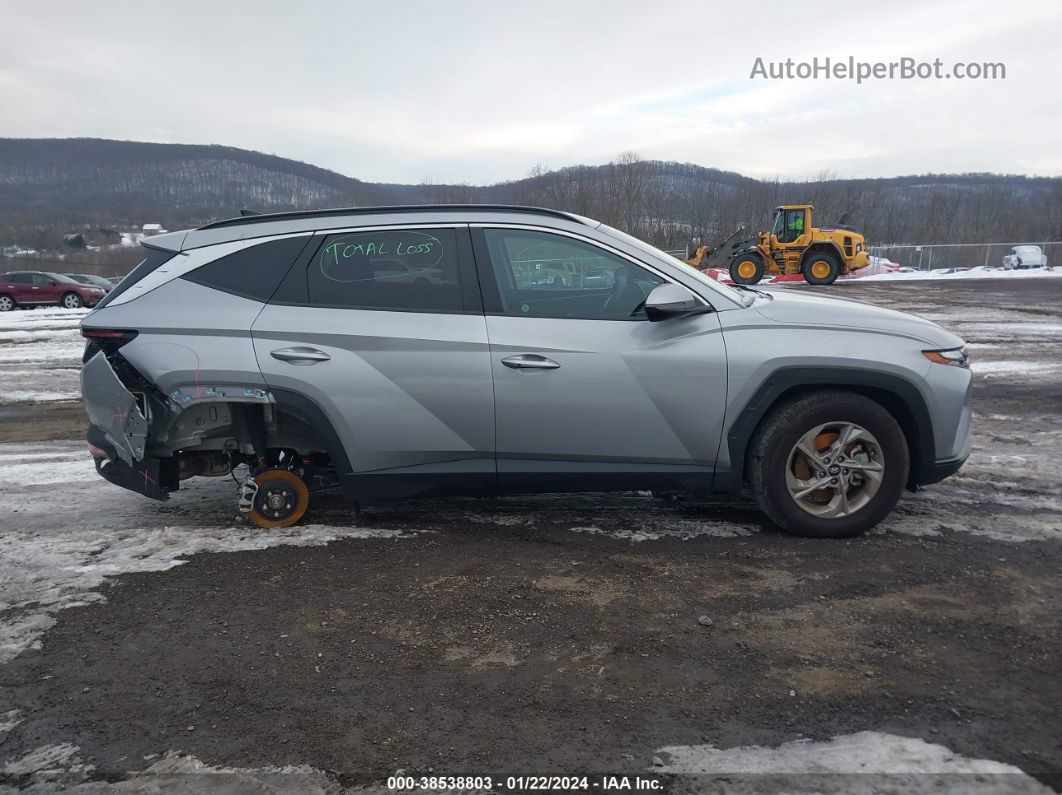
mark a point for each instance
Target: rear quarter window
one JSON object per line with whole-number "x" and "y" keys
{"x": 253, "y": 272}
{"x": 153, "y": 260}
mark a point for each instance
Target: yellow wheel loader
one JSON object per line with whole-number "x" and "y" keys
{"x": 795, "y": 246}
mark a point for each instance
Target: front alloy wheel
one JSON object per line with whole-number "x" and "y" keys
{"x": 72, "y": 301}
{"x": 829, "y": 464}
{"x": 835, "y": 469}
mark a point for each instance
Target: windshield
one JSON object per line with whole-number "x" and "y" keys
{"x": 60, "y": 278}
{"x": 745, "y": 299}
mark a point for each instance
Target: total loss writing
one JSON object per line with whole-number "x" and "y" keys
{"x": 340, "y": 251}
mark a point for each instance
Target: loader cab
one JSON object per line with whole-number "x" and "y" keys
{"x": 791, "y": 223}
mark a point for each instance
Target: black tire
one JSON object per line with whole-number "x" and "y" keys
{"x": 746, "y": 269}
{"x": 814, "y": 263}
{"x": 775, "y": 439}
{"x": 7, "y": 303}
{"x": 71, "y": 301}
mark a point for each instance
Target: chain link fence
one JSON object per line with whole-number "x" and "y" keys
{"x": 933, "y": 256}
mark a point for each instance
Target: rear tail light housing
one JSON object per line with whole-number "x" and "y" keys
{"x": 104, "y": 339}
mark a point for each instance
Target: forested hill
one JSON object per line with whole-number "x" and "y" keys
{"x": 88, "y": 180}
{"x": 52, "y": 186}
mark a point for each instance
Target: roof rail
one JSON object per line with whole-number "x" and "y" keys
{"x": 409, "y": 208}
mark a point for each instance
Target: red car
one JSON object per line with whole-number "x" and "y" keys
{"x": 38, "y": 288}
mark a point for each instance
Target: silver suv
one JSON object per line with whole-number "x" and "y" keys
{"x": 424, "y": 351}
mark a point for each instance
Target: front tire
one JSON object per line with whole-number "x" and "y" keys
{"x": 822, "y": 269}
{"x": 72, "y": 301}
{"x": 828, "y": 465}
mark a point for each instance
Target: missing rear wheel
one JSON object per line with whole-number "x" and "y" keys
{"x": 281, "y": 499}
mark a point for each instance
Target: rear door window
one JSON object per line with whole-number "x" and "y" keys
{"x": 411, "y": 270}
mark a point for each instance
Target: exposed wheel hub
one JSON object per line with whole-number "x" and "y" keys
{"x": 276, "y": 501}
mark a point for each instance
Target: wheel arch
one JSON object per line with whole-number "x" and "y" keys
{"x": 308, "y": 411}
{"x": 752, "y": 252}
{"x": 823, "y": 247}
{"x": 901, "y": 398}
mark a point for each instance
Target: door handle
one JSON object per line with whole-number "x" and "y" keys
{"x": 300, "y": 355}
{"x": 530, "y": 361}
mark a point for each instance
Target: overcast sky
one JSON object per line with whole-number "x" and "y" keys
{"x": 478, "y": 91}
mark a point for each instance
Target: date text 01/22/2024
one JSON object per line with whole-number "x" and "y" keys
{"x": 401, "y": 783}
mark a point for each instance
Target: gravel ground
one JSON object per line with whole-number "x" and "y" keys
{"x": 557, "y": 634}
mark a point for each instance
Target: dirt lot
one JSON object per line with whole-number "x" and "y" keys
{"x": 550, "y": 634}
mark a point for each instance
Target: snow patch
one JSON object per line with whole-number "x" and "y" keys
{"x": 57, "y": 764}
{"x": 41, "y": 469}
{"x": 912, "y": 765}
{"x": 54, "y": 318}
{"x": 995, "y": 369}
{"x": 681, "y": 529}
{"x": 44, "y": 574}
{"x": 948, "y": 274}
{"x": 61, "y": 767}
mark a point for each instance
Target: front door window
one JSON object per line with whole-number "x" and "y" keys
{"x": 546, "y": 275}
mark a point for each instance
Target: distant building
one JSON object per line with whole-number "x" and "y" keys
{"x": 152, "y": 229}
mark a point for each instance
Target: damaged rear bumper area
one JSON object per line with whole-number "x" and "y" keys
{"x": 117, "y": 434}
{"x": 152, "y": 477}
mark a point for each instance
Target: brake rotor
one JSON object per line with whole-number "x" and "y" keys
{"x": 281, "y": 499}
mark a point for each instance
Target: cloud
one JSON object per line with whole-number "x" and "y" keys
{"x": 471, "y": 91}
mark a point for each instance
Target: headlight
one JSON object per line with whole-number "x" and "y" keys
{"x": 954, "y": 356}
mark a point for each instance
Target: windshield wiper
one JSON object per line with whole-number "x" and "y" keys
{"x": 748, "y": 289}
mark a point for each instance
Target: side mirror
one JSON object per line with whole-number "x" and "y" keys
{"x": 672, "y": 300}
{"x": 52, "y": 282}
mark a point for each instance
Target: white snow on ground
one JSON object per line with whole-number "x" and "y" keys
{"x": 867, "y": 762}
{"x": 45, "y": 570}
{"x": 853, "y": 763}
{"x": 49, "y": 763}
{"x": 1011, "y": 368}
{"x": 681, "y": 529}
{"x": 948, "y": 274}
{"x": 52, "y": 767}
{"x": 54, "y": 317}
{"x": 40, "y": 355}
{"x": 943, "y": 274}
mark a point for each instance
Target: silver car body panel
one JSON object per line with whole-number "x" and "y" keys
{"x": 401, "y": 389}
{"x": 191, "y": 339}
{"x": 623, "y": 392}
{"x": 419, "y": 391}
